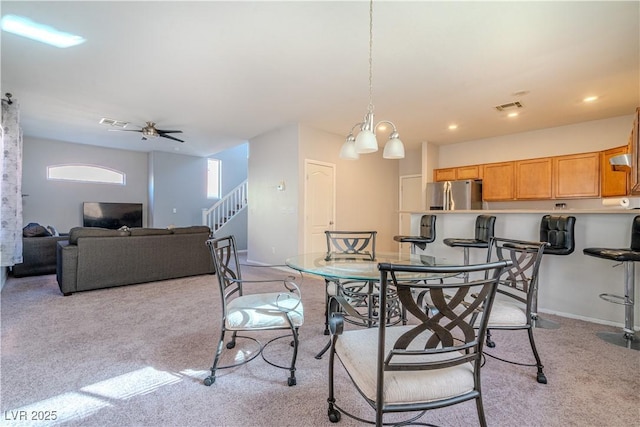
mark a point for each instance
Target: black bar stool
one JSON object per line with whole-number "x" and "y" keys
{"x": 427, "y": 234}
{"x": 485, "y": 225}
{"x": 558, "y": 232}
{"x": 626, "y": 256}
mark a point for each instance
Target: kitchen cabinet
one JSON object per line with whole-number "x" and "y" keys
{"x": 468, "y": 172}
{"x": 498, "y": 181}
{"x": 448, "y": 174}
{"x": 576, "y": 176}
{"x": 613, "y": 183}
{"x": 457, "y": 173}
{"x": 533, "y": 179}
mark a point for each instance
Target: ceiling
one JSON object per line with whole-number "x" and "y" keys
{"x": 225, "y": 72}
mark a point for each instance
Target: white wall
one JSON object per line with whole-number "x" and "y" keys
{"x": 59, "y": 203}
{"x": 235, "y": 162}
{"x": 412, "y": 162}
{"x": 583, "y": 137}
{"x": 273, "y": 215}
{"x": 366, "y": 194}
{"x": 180, "y": 184}
{"x": 165, "y": 179}
{"x": 367, "y": 188}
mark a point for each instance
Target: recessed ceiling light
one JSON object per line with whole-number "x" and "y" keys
{"x": 27, "y": 28}
{"x": 512, "y": 114}
{"x": 453, "y": 126}
{"x": 590, "y": 99}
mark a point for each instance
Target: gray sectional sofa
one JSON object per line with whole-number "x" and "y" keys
{"x": 96, "y": 258}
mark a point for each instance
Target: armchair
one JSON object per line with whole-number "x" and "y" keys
{"x": 517, "y": 288}
{"x": 432, "y": 362}
{"x": 277, "y": 305}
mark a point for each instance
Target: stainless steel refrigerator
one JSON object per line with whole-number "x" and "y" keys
{"x": 455, "y": 195}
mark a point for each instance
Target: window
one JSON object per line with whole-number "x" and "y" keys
{"x": 213, "y": 178}
{"x": 85, "y": 173}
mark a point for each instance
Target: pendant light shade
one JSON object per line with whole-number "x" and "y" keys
{"x": 393, "y": 149}
{"x": 366, "y": 142}
{"x": 348, "y": 150}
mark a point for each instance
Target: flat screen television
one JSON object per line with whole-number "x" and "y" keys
{"x": 111, "y": 215}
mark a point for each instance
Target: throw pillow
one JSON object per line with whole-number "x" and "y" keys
{"x": 33, "y": 229}
{"x": 52, "y": 230}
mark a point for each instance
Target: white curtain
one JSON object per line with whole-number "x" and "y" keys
{"x": 11, "y": 185}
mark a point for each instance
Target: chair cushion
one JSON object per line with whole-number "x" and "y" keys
{"x": 264, "y": 311}
{"x": 471, "y": 243}
{"x": 507, "y": 314}
{"x": 620, "y": 255}
{"x": 357, "y": 350}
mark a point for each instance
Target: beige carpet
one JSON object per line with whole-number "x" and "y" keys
{"x": 136, "y": 356}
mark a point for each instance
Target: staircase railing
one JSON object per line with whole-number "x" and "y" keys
{"x": 226, "y": 208}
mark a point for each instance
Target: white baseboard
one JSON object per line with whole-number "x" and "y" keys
{"x": 588, "y": 319}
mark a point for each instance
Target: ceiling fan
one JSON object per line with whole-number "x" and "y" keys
{"x": 150, "y": 131}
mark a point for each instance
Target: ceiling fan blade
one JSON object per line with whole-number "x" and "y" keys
{"x": 168, "y": 131}
{"x": 171, "y": 137}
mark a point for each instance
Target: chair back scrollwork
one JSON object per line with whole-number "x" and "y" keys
{"x": 351, "y": 245}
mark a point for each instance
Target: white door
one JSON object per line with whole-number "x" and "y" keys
{"x": 319, "y": 204}
{"x": 410, "y": 200}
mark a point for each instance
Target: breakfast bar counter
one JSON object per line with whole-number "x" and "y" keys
{"x": 568, "y": 285}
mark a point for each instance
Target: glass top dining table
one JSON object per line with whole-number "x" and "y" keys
{"x": 351, "y": 267}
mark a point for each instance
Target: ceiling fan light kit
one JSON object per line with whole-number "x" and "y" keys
{"x": 365, "y": 141}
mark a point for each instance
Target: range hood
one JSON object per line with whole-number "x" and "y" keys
{"x": 621, "y": 162}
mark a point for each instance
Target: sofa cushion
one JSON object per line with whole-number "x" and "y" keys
{"x": 148, "y": 231}
{"x": 191, "y": 229}
{"x": 78, "y": 232}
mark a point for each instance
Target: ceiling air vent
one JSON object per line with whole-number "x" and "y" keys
{"x": 509, "y": 105}
{"x": 115, "y": 123}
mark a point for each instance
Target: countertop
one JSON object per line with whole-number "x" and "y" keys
{"x": 533, "y": 211}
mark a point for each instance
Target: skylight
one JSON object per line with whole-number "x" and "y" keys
{"x": 43, "y": 33}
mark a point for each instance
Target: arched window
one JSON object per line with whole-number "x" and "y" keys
{"x": 85, "y": 173}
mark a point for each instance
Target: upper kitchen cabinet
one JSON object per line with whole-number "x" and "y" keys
{"x": 613, "y": 182}
{"x": 533, "y": 179}
{"x": 498, "y": 181}
{"x": 448, "y": 174}
{"x": 468, "y": 172}
{"x": 457, "y": 173}
{"x": 576, "y": 175}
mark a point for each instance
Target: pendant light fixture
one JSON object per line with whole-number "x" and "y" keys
{"x": 365, "y": 141}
